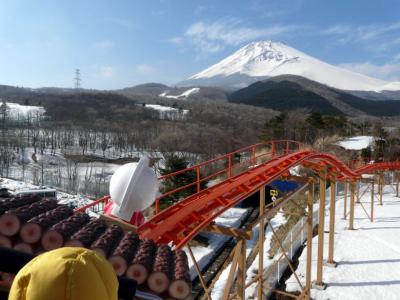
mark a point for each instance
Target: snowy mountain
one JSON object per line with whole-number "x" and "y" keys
{"x": 260, "y": 60}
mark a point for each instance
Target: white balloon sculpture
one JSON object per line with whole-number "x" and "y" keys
{"x": 133, "y": 187}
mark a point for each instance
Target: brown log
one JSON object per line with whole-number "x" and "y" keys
{"x": 6, "y": 279}
{"x": 11, "y": 220}
{"x": 108, "y": 241}
{"x": 15, "y": 202}
{"x": 24, "y": 247}
{"x": 159, "y": 280}
{"x": 5, "y": 242}
{"x": 181, "y": 285}
{"x": 56, "y": 236}
{"x": 31, "y": 231}
{"x": 124, "y": 253}
{"x": 87, "y": 234}
{"x": 142, "y": 263}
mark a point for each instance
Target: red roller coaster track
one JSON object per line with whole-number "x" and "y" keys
{"x": 245, "y": 171}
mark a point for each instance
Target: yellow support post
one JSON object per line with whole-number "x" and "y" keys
{"x": 319, "y": 284}
{"x": 380, "y": 186}
{"x": 241, "y": 274}
{"x": 310, "y": 202}
{"x": 372, "y": 199}
{"x": 332, "y": 208}
{"x": 352, "y": 196}
{"x": 345, "y": 200}
{"x": 261, "y": 238}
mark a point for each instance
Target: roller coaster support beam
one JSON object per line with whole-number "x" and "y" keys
{"x": 372, "y": 199}
{"x": 358, "y": 191}
{"x": 380, "y": 187}
{"x": 352, "y": 196}
{"x": 346, "y": 184}
{"x": 332, "y": 208}
{"x": 320, "y": 255}
{"x": 241, "y": 275}
{"x": 310, "y": 213}
{"x": 261, "y": 239}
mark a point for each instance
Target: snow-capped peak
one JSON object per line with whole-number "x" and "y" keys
{"x": 263, "y": 59}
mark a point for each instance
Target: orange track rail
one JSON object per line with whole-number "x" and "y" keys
{"x": 381, "y": 166}
{"x": 183, "y": 221}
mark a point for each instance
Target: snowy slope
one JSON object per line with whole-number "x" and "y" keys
{"x": 18, "y": 111}
{"x": 263, "y": 59}
{"x": 182, "y": 96}
{"x": 357, "y": 142}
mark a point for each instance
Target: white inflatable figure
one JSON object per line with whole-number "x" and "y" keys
{"x": 133, "y": 187}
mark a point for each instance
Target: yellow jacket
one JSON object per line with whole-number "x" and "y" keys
{"x": 66, "y": 274}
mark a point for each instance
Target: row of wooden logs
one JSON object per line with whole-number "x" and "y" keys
{"x": 35, "y": 225}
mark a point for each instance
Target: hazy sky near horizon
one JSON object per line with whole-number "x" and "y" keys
{"x": 122, "y": 43}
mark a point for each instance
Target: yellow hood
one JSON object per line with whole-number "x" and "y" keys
{"x": 66, "y": 274}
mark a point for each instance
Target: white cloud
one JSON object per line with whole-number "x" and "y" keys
{"x": 176, "y": 40}
{"x": 121, "y": 22}
{"x": 107, "y": 71}
{"x": 146, "y": 69}
{"x": 364, "y": 33}
{"x": 215, "y": 36}
{"x": 388, "y": 71}
{"x": 104, "y": 44}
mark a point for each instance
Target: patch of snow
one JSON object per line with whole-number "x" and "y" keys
{"x": 184, "y": 95}
{"x": 368, "y": 257}
{"x": 357, "y": 142}
{"x": 163, "y": 108}
{"x": 18, "y": 111}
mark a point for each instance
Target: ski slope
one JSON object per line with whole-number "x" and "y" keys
{"x": 368, "y": 257}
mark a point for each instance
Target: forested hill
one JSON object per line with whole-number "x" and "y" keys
{"x": 289, "y": 92}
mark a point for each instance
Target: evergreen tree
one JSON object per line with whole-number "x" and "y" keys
{"x": 174, "y": 163}
{"x": 4, "y": 112}
{"x": 316, "y": 120}
{"x": 275, "y": 128}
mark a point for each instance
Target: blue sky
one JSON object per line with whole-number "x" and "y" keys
{"x": 120, "y": 43}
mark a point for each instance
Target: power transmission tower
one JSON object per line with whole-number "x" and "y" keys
{"x": 77, "y": 79}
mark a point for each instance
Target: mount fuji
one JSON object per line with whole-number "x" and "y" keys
{"x": 264, "y": 59}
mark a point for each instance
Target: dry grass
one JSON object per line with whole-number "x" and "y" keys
{"x": 282, "y": 231}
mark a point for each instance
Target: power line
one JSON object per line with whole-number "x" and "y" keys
{"x": 78, "y": 79}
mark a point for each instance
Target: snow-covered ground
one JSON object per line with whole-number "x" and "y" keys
{"x": 368, "y": 257}
{"x": 168, "y": 112}
{"x": 18, "y": 111}
{"x": 182, "y": 96}
{"x": 357, "y": 142}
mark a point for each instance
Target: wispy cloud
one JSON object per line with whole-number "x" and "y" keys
{"x": 126, "y": 23}
{"x": 210, "y": 37}
{"x": 388, "y": 71}
{"x": 177, "y": 40}
{"x": 345, "y": 33}
{"x": 106, "y": 71}
{"x": 145, "y": 69}
{"x": 104, "y": 44}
